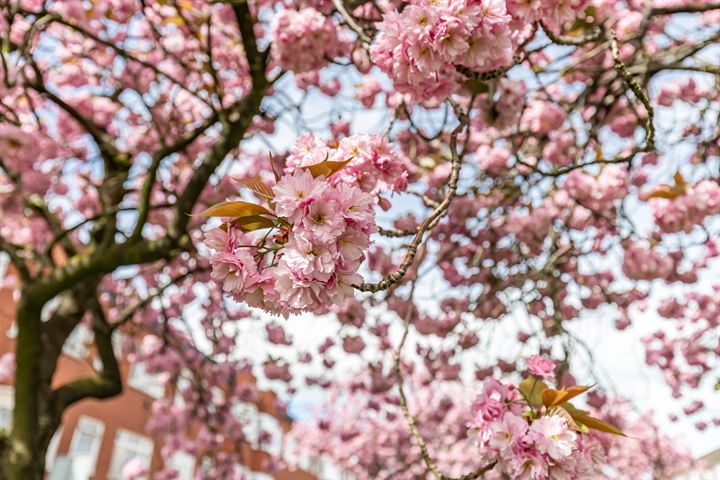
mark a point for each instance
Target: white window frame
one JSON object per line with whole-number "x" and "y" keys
{"x": 4, "y": 263}
{"x": 135, "y": 443}
{"x": 52, "y": 450}
{"x": 12, "y": 331}
{"x": 88, "y": 423}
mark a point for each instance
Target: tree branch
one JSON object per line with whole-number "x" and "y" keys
{"x": 688, "y": 8}
{"x": 364, "y": 38}
{"x": 161, "y": 154}
{"x": 412, "y": 422}
{"x": 430, "y": 221}
{"x": 108, "y": 383}
{"x": 234, "y": 128}
{"x": 639, "y": 94}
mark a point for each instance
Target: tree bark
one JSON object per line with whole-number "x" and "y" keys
{"x": 23, "y": 455}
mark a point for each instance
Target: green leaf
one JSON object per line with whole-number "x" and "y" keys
{"x": 234, "y": 209}
{"x": 532, "y": 388}
{"x": 476, "y": 86}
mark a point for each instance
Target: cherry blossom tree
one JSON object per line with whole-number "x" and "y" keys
{"x": 410, "y": 173}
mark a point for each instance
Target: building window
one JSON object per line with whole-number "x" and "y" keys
{"x": 147, "y": 383}
{"x": 117, "y": 339}
{"x": 76, "y": 345}
{"x": 51, "y": 454}
{"x": 7, "y": 402}
{"x": 184, "y": 464}
{"x": 86, "y": 441}
{"x": 129, "y": 446}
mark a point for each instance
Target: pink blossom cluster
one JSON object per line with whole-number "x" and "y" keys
{"x": 599, "y": 193}
{"x": 422, "y": 46}
{"x": 642, "y": 263}
{"x": 324, "y": 229}
{"x": 546, "y": 447}
{"x": 305, "y": 40}
{"x": 684, "y": 213}
{"x": 689, "y": 350}
{"x": 374, "y": 167}
{"x": 686, "y": 91}
{"x": 551, "y": 12}
{"x": 543, "y": 117}
{"x": 361, "y": 429}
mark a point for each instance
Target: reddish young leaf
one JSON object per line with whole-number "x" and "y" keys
{"x": 326, "y": 168}
{"x": 582, "y": 417}
{"x": 668, "y": 191}
{"x": 234, "y": 209}
{"x": 552, "y": 398}
{"x": 257, "y": 185}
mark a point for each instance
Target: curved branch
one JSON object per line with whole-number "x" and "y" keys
{"x": 430, "y": 221}
{"x": 108, "y": 383}
{"x": 364, "y": 38}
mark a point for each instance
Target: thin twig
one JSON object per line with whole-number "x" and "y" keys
{"x": 638, "y": 91}
{"x": 364, "y": 38}
{"x": 412, "y": 422}
{"x": 430, "y": 221}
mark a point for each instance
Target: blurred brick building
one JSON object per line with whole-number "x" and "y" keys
{"x": 97, "y": 438}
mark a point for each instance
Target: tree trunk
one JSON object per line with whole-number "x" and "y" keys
{"x": 38, "y": 408}
{"x": 23, "y": 451}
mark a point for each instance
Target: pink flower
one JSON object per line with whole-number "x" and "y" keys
{"x": 552, "y": 436}
{"x": 323, "y": 221}
{"x": 527, "y": 465}
{"x": 368, "y": 90}
{"x": 276, "y": 335}
{"x": 540, "y": 366}
{"x": 293, "y": 193}
{"x": 235, "y": 271}
{"x": 305, "y": 39}
{"x": 507, "y": 431}
{"x": 308, "y": 260}
{"x": 353, "y": 344}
